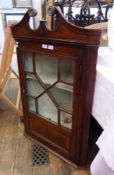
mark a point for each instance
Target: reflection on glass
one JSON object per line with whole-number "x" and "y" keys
{"x": 46, "y": 69}
{"x": 65, "y": 87}
{"x": 63, "y": 97}
{"x": 47, "y": 109}
{"x": 31, "y": 104}
{"x": 66, "y": 120}
{"x": 33, "y": 87}
{"x": 66, "y": 67}
{"x": 28, "y": 62}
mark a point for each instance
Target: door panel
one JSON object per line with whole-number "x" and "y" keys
{"x": 49, "y": 89}
{"x": 52, "y": 135}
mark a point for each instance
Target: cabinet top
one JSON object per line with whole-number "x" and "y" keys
{"x": 64, "y": 32}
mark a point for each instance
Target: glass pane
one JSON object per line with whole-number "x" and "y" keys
{"x": 33, "y": 87}
{"x": 63, "y": 96}
{"x": 66, "y": 120}
{"x": 28, "y": 62}
{"x": 47, "y": 109}
{"x": 31, "y": 104}
{"x": 66, "y": 67}
{"x": 47, "y": 69}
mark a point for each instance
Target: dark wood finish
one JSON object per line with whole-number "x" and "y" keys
{"x": 69, "y": 43}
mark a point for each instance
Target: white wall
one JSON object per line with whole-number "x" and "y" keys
{"x": 37, "y": 6}
{"x": 1, "y": 34}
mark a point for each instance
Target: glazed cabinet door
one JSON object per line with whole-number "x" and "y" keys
{"x": 48, "y": 92}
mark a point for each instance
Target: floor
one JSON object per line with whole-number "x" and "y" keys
{"x": 16, "y": 151}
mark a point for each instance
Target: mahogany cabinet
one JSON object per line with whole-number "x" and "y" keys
{"x": 57, "y": 73}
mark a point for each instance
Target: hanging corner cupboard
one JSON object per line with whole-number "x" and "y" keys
{"x": 57, "y": 74}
